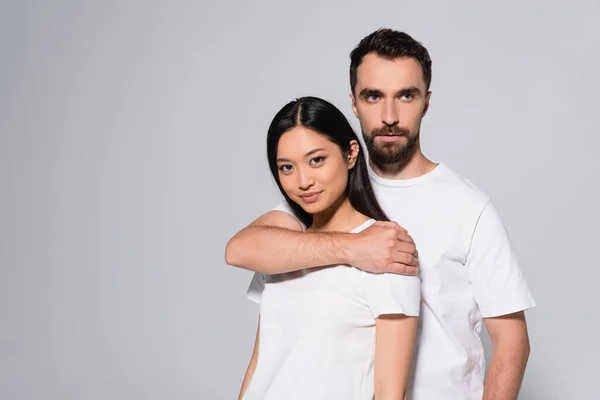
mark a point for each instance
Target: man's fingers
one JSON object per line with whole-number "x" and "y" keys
{"x": 405, "y": 237}
{"x": 406, "y": 259}
{"x": 387, "y": 224}
{"x": 391, "y": 224}
{"x": 408, "y": 248}
{"x": 402, "y": 269}
{"x": 400, "y": 229}
{"x": 406, "y": 244}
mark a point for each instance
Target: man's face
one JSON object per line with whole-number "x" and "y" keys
{"x": 390, "y": 99}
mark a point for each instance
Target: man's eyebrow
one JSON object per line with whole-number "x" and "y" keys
{"x": 281, "y": 159}
{"x": 410, "y": 90}
{"x": 366, "y": 92}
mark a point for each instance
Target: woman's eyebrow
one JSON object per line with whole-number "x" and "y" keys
{"x": 310, "y": 153}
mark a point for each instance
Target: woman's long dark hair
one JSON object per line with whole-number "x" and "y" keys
{"x": 324, "y": 118}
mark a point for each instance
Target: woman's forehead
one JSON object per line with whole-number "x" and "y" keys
{"x": 299, "y": 140}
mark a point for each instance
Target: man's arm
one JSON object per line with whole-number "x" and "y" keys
{"x": 502, "y": 295}
{"x": 275, "y": 243}
{"x": 252, "y": 365}
{"x": 394, "y": 344}
{"x": 510, "y": 352}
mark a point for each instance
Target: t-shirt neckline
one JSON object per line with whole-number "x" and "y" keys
{"x": 405, "y": 182}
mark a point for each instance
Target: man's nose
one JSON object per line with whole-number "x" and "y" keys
{"x": 390, "y": 114}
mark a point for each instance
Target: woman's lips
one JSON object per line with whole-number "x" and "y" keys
{"x": 310, "y": 197}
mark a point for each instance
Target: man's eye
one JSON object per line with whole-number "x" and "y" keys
{"x": 317, "y": 160}
{"x": 285, "y": 168}
{"x": 407, "y": 96}
{"x": 372, "y": 97}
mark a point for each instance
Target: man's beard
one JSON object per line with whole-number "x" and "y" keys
{"x": 387, "y": 153}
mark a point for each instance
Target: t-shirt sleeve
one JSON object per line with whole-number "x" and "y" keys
{"x": 496, "y": 278}
{"x": 285, "y": 207}
{"x": 257, "y": 285}
{"x": 392, "y": 294}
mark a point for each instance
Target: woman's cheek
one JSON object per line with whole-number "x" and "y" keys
{"x": 337, "y": 176}
{"x": 287, "y": 185}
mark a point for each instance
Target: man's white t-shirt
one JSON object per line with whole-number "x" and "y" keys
{"x": 317, "y": 330}
{"x": 468, "y": 271}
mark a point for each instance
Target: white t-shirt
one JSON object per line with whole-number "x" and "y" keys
{"x": 468, "y": 271}
{"x": 317, "y": 330}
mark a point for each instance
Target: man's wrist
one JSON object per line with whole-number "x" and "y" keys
{"x": 347, "y": 248}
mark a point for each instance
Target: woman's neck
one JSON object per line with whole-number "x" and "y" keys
{"x": 340, "y": 217}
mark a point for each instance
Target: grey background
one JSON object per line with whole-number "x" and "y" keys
{"x": 133, "y": 146}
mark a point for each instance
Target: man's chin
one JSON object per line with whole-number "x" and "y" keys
{"x": 391, "y": 149}
{"x": 387, "y": 157}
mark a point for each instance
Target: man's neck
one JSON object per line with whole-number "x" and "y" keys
{"x": 416, "y": 165}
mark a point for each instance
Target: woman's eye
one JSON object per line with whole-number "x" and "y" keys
{"x": 317, "y": 160}
{"x": 285, "y": 168}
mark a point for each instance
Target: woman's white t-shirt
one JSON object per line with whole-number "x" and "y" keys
{"x": 317, "y": 330}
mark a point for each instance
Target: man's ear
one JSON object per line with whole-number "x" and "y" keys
{"x": 354, "y": 105}
{"x": 426, "y": 108}
{"x": 353, "y": 154}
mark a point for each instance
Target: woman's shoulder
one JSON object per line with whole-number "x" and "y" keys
{"x": 363, "y": 225}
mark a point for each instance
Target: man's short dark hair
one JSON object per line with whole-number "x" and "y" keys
{"x": 390, "y": 44}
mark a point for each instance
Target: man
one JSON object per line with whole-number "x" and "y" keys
{"x": 468, "y": 270}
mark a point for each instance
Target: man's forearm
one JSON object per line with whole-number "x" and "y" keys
{"x": 505, "y": 372}
{"x": 276, "y": 250}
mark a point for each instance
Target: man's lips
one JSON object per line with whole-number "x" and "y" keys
{"x": 387, "y": 138}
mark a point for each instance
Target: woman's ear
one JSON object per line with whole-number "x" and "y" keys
{"x": 353, "y": 154}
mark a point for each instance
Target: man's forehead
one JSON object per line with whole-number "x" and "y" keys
{"x": 389, "y": 74}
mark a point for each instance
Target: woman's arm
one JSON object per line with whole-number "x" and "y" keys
{"x": 252, "y": 365}
{"x": 395, "y": 341}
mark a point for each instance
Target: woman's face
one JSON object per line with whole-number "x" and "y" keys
{"x": 312, "y": 169}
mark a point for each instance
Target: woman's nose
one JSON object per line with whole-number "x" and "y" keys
{"x": 305, "y": 180}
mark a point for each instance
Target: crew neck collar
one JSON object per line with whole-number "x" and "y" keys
{"x": 406, "y": 182}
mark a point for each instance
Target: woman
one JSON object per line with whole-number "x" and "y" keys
{"x": 333, "y": 332}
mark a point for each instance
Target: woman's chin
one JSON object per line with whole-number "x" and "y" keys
{"x": 314, "y": 208}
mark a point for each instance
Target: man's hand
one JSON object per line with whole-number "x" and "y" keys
{"x": 275, "y": 244}
{"x": 384, "y": 247}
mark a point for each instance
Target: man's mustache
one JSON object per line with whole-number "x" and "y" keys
{"x": 390, "y": 131}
